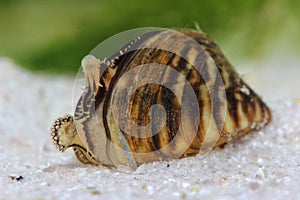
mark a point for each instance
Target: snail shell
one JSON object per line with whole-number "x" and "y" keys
{"x": 131, "y": 109}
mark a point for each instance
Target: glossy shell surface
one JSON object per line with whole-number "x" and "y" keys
{"x": 115, "y": 116}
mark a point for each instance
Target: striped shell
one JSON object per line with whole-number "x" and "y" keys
{"x": 119, "y": 118}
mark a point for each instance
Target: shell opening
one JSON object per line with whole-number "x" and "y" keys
{"x": 60, "y": 132}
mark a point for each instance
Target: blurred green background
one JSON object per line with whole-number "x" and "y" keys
{"x": 53, "y": 36}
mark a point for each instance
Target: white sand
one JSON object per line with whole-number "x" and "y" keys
{"x": 261, "y": 165}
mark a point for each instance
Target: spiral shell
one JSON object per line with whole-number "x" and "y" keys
{"x": 165, "y": 94}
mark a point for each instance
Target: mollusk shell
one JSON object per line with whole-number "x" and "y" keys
{"x": 131, "y": 110}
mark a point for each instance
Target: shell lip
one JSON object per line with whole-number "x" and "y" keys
{"x": 55, "y": 131}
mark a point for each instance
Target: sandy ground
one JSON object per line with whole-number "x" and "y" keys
{"x": 261, "y": 165}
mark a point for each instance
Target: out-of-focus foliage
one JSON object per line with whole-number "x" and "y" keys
{"x": 53, "y": 36}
